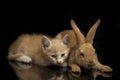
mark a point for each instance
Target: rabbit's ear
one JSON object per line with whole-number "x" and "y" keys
{"x": 92, "y": 31}
{"x": 78, "y": 33}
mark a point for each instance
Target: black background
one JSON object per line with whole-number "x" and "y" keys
{"x": 51, "y": 18}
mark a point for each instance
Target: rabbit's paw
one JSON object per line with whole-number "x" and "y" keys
{"x": 104, "y": 74}
{"x": 106, "y": 68}
{"x": 75, "y": 68}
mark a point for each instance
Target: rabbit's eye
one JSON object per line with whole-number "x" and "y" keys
{"x": 82, "y": 54}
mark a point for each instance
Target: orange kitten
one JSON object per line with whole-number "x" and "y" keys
{"x": 39, "y": 49}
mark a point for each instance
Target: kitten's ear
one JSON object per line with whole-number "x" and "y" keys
{"x": 66, "y": 40}
{"x": 45, "y": 42}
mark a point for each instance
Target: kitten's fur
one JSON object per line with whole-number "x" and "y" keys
{"x": 39, "y": 49}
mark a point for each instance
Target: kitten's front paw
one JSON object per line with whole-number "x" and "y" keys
{"x": 24, "y": 62}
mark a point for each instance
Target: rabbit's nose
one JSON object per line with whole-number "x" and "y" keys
{"x": 90, "y": 64}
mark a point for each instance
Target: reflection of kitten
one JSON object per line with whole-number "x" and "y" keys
{"x": 39, "y": 49}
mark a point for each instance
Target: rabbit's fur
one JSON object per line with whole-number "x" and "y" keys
{"x": 82, "y": 50}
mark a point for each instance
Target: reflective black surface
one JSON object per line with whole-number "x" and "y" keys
{"x": 34, "y": 72}
{"x": 53, "y": 18}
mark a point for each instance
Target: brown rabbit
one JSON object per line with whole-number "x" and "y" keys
{"x": 82, "y": 50}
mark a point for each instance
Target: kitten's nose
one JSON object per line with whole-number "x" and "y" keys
{"x": 59, "y": 61}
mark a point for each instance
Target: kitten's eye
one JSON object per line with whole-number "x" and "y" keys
{"x": 82, "y": 54}
{"x": 62, "y": 55}
{"x": 54, "y": 56}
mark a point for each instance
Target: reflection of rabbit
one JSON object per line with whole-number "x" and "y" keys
{"x": 82, "y": 50}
